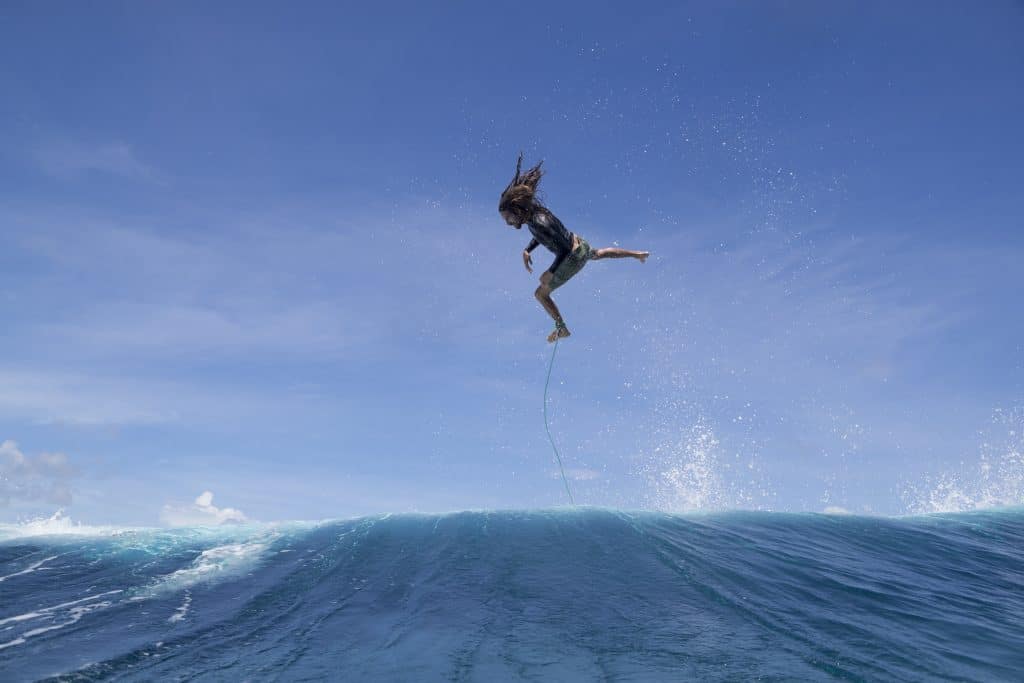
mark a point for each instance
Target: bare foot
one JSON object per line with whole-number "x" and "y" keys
{"x": 643, "y": 256}
{"x": 559, "y": 333}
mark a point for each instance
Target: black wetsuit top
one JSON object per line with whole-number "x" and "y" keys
{"x": 549, "y": 231}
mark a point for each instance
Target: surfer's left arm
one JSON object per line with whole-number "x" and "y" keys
{"x": 527, "y": 259}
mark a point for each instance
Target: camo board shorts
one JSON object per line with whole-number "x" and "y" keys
{"x": 572, "y": 264}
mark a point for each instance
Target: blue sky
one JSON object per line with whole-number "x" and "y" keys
{"x": 253, "y": 250}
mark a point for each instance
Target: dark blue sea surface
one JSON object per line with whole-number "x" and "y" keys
{"x": 559, "y": 595}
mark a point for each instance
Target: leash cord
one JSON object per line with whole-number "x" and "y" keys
{"x": 558, "y": 457}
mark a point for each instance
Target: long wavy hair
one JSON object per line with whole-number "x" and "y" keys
{"x": 520, "y": 196}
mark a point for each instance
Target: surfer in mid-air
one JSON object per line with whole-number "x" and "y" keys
{"x": 519, "y": 205}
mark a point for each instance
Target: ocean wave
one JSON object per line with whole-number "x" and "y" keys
{"x": 569, "y": 594}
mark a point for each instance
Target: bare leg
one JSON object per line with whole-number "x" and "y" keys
{"x": 615, "y": 252}
{"x": 543, "y": 295}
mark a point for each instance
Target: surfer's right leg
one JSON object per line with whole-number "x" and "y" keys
{"x": 615, "y": 252}
{"x": 543, "y": 294}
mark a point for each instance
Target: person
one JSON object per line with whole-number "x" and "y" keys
{"x": 519, "y": 205}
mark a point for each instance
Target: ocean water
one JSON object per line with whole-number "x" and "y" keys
{"x": 567, "y": 594}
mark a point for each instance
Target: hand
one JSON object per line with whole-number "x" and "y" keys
{"x": 528, "y": 261}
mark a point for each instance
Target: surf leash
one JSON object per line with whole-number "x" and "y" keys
{"x": 558, "y": 457}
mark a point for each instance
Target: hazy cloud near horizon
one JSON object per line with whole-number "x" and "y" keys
{"x": 42, "y": 478}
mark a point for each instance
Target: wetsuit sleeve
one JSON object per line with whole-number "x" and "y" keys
{"x": 532, "y": 245}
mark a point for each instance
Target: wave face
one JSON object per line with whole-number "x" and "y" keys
{"x": 582, "y": 594}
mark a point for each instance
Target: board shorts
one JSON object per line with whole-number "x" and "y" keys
{"x": 572, "y": 264}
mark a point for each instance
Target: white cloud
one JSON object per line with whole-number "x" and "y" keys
{"x": 201, "y": 512}
{"x": 104, "y": 399}
{"x": 301, "y": 327}
{"x": 64, "y": 159}
{"x": 252, "y": 283}
{"x": 43, "y": 477}
{"x": 79, "y": 399}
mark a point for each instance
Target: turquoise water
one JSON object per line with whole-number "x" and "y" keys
{"x": 581, "y": 594}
